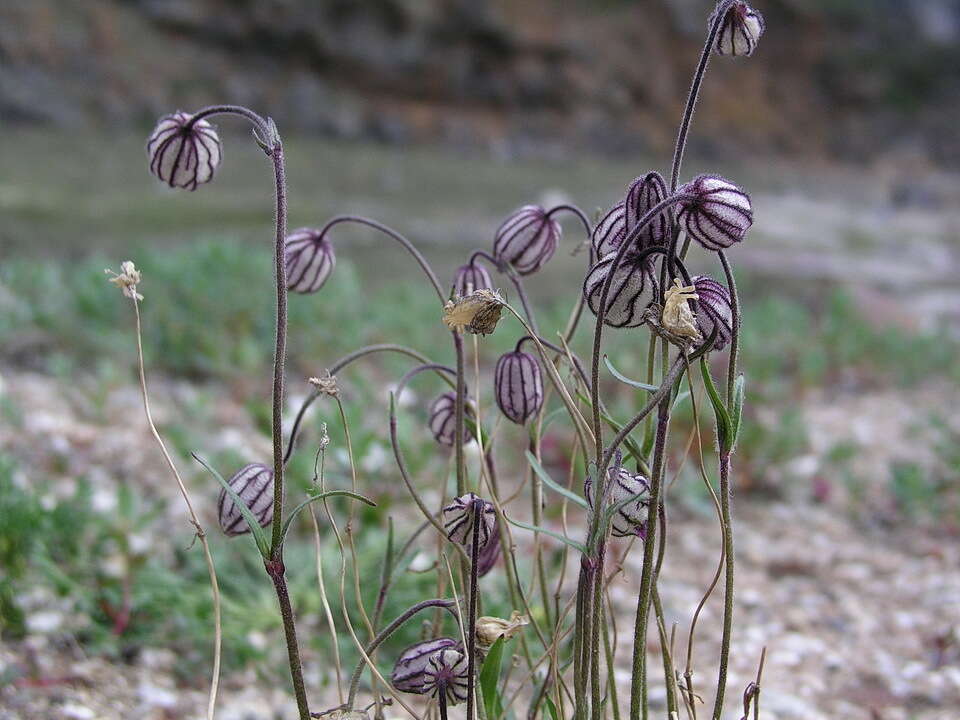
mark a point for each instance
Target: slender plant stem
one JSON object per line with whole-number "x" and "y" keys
{"x": 737, "y": 322}
{"x": 596, "y": 703}
{"x": 472, "y": 619}
{"x": 259, "y": 122}
{"x": 459, "y": 416}
{"x": 727, "y": 585}
{"x": 194, "y": 520}
{"x": 326, "y": 604}
{"x": 276, "y": 571}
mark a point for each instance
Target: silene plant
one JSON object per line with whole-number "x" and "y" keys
{"x": 560, "y": 634}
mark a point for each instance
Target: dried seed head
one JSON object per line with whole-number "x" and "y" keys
{"x": 410, "y": 669}
{"x": 309, "y": 259}
{"x": 490, "y": 553}
{"x": 643, "y": 195}
{"x": 446, "y": 673}
{"x": 527, "y": 239}
{"x": 458, "y": 519}
{"x": 127, "y": 279}
{"x": 717, "y": 215}
{"x": 677, "y": 317}
{"x": 631, "y": 489}
{"x": 254, "y": 484}
{"x": 518, "y": 386}
{"x": 443, "y": 419}
{"x": 491, "y": 629}
{"x": 628, "y": 296}
{"x": 714, "y": 310}
{"x": 469, "y": 278}
{"x": 183, "y": 154}
{"x": 740, "y": 29}
{"x": 477, "y": 313}
{"x": 326, "y": 385}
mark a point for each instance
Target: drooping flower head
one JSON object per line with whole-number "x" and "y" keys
{"x": 443, "y": 419}
{"x": 740, "y": 29}
{"x": 253, "y": 483}
{"x": 469, "y": 278}
{"x": 458, "y": 519}
{"x": 717, "y": 213}
{"x": 518, "y": 386}
{"x": 632, "y": 492}
{"x": 446, "y": 674}
{"x": 490, "y": 629}
{"x": 409, "y": 671}
{"x": 183, "y": 154}
{"x": 631, "y": 291}
{"x": 309, "y": 259}
{"x": 643, "y": 194}
{"x": 714, "y": 310}
{"x": 527, "y": 239}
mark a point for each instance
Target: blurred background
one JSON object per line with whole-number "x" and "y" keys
{"x": 439, "y": 117}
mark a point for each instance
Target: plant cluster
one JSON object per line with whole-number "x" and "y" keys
{"x": 614, "y": 494}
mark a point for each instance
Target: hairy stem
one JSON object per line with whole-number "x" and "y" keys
{"x": 275, "y": 570}
{"x": 727, "y": 583}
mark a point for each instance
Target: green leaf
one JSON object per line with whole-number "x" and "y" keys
{"x": 551, "y": 706}
{"x": 551, "y": 483}
{"x": 719, "y": 409}
{"x": 562, "y": 538}
{"x": 624, "y": 379}
{"x": 680, "y": 398}
{"x": 259, "y": 536}
{"x": 321, "y": 496}
{"x": 490, "y": 679}
{"x": 738, "y": 396}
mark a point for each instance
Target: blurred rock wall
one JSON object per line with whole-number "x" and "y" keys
{"x": 837, "y": 78}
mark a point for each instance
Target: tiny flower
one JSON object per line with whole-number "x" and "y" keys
{"x": 633, "y": 491}
{"x": 714, "y": 310}
{"x": 183, "y": 154}
{"x": 677, "y": 317}
{"x": 627, "y": 299}
{"x": 443, "y": 418}
{"x": 469, "y": 278}
{"x": 490, "y": 553}
{"x": 477, "y": 313}
{"x": 718, "y": 213}
{"x": 491, "y": 629}
{"x": 643, "y": 195}
{"x": 254, "y": 485}
{"x": 740, "y": 30}
{"x": 309, "y": 259}
{"x": 410, "y": 669}
{"x": 446, "y": 674}
{"x": 127, "y": 280}
{"x": 527, "y": 239}
{"x": 518, "y": 386}
{"x": 458, "y": 519}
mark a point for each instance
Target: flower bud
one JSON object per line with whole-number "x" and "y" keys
{"x": 183, "y": 156}
{"x": 469, "y": 278}
{"x": 443, "y": 419}
{"x": 527, "y": 239}
{"x": 714, "y": 310}
{"x": 627, "y": 298}
{"x": 518, "y": 386}
{"x": 410, "y": 668}
{"x": 739, "y": 31}
{"x": 631, "y": 518}
{"x": 309, "y": 259}
{"x": 490, "y": 553}
{"x": 643, "y": 194}
{"x": 446, "y": 673}
{"x": 717, "y": 215}
{"x": 491, "y": 629}
{"x": 254, "y": 485}
{"x": 458, "y": 519}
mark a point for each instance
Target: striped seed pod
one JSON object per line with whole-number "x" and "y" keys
{"x": 527, "y": 239}
{"x": 718, "y": 213}
{"x": 183, "y": 156}
{"x": 623, "y": 486}
{"x": 309, "y": 259}
{"x": 471, "y": 277}
{"x": 253, "y": 483}
{"x": 714, "y": 310}
{"x": 410, "y": 669}
{"x": 446, "y": 674}
{"x": 518, "y": 386}
{"x": 628, "y": 296}
{"x": 443, "y": 419}
{"x": 740, "y": 30}
{"x": 643, "y": 194}
{"x": 458, "y": 519}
